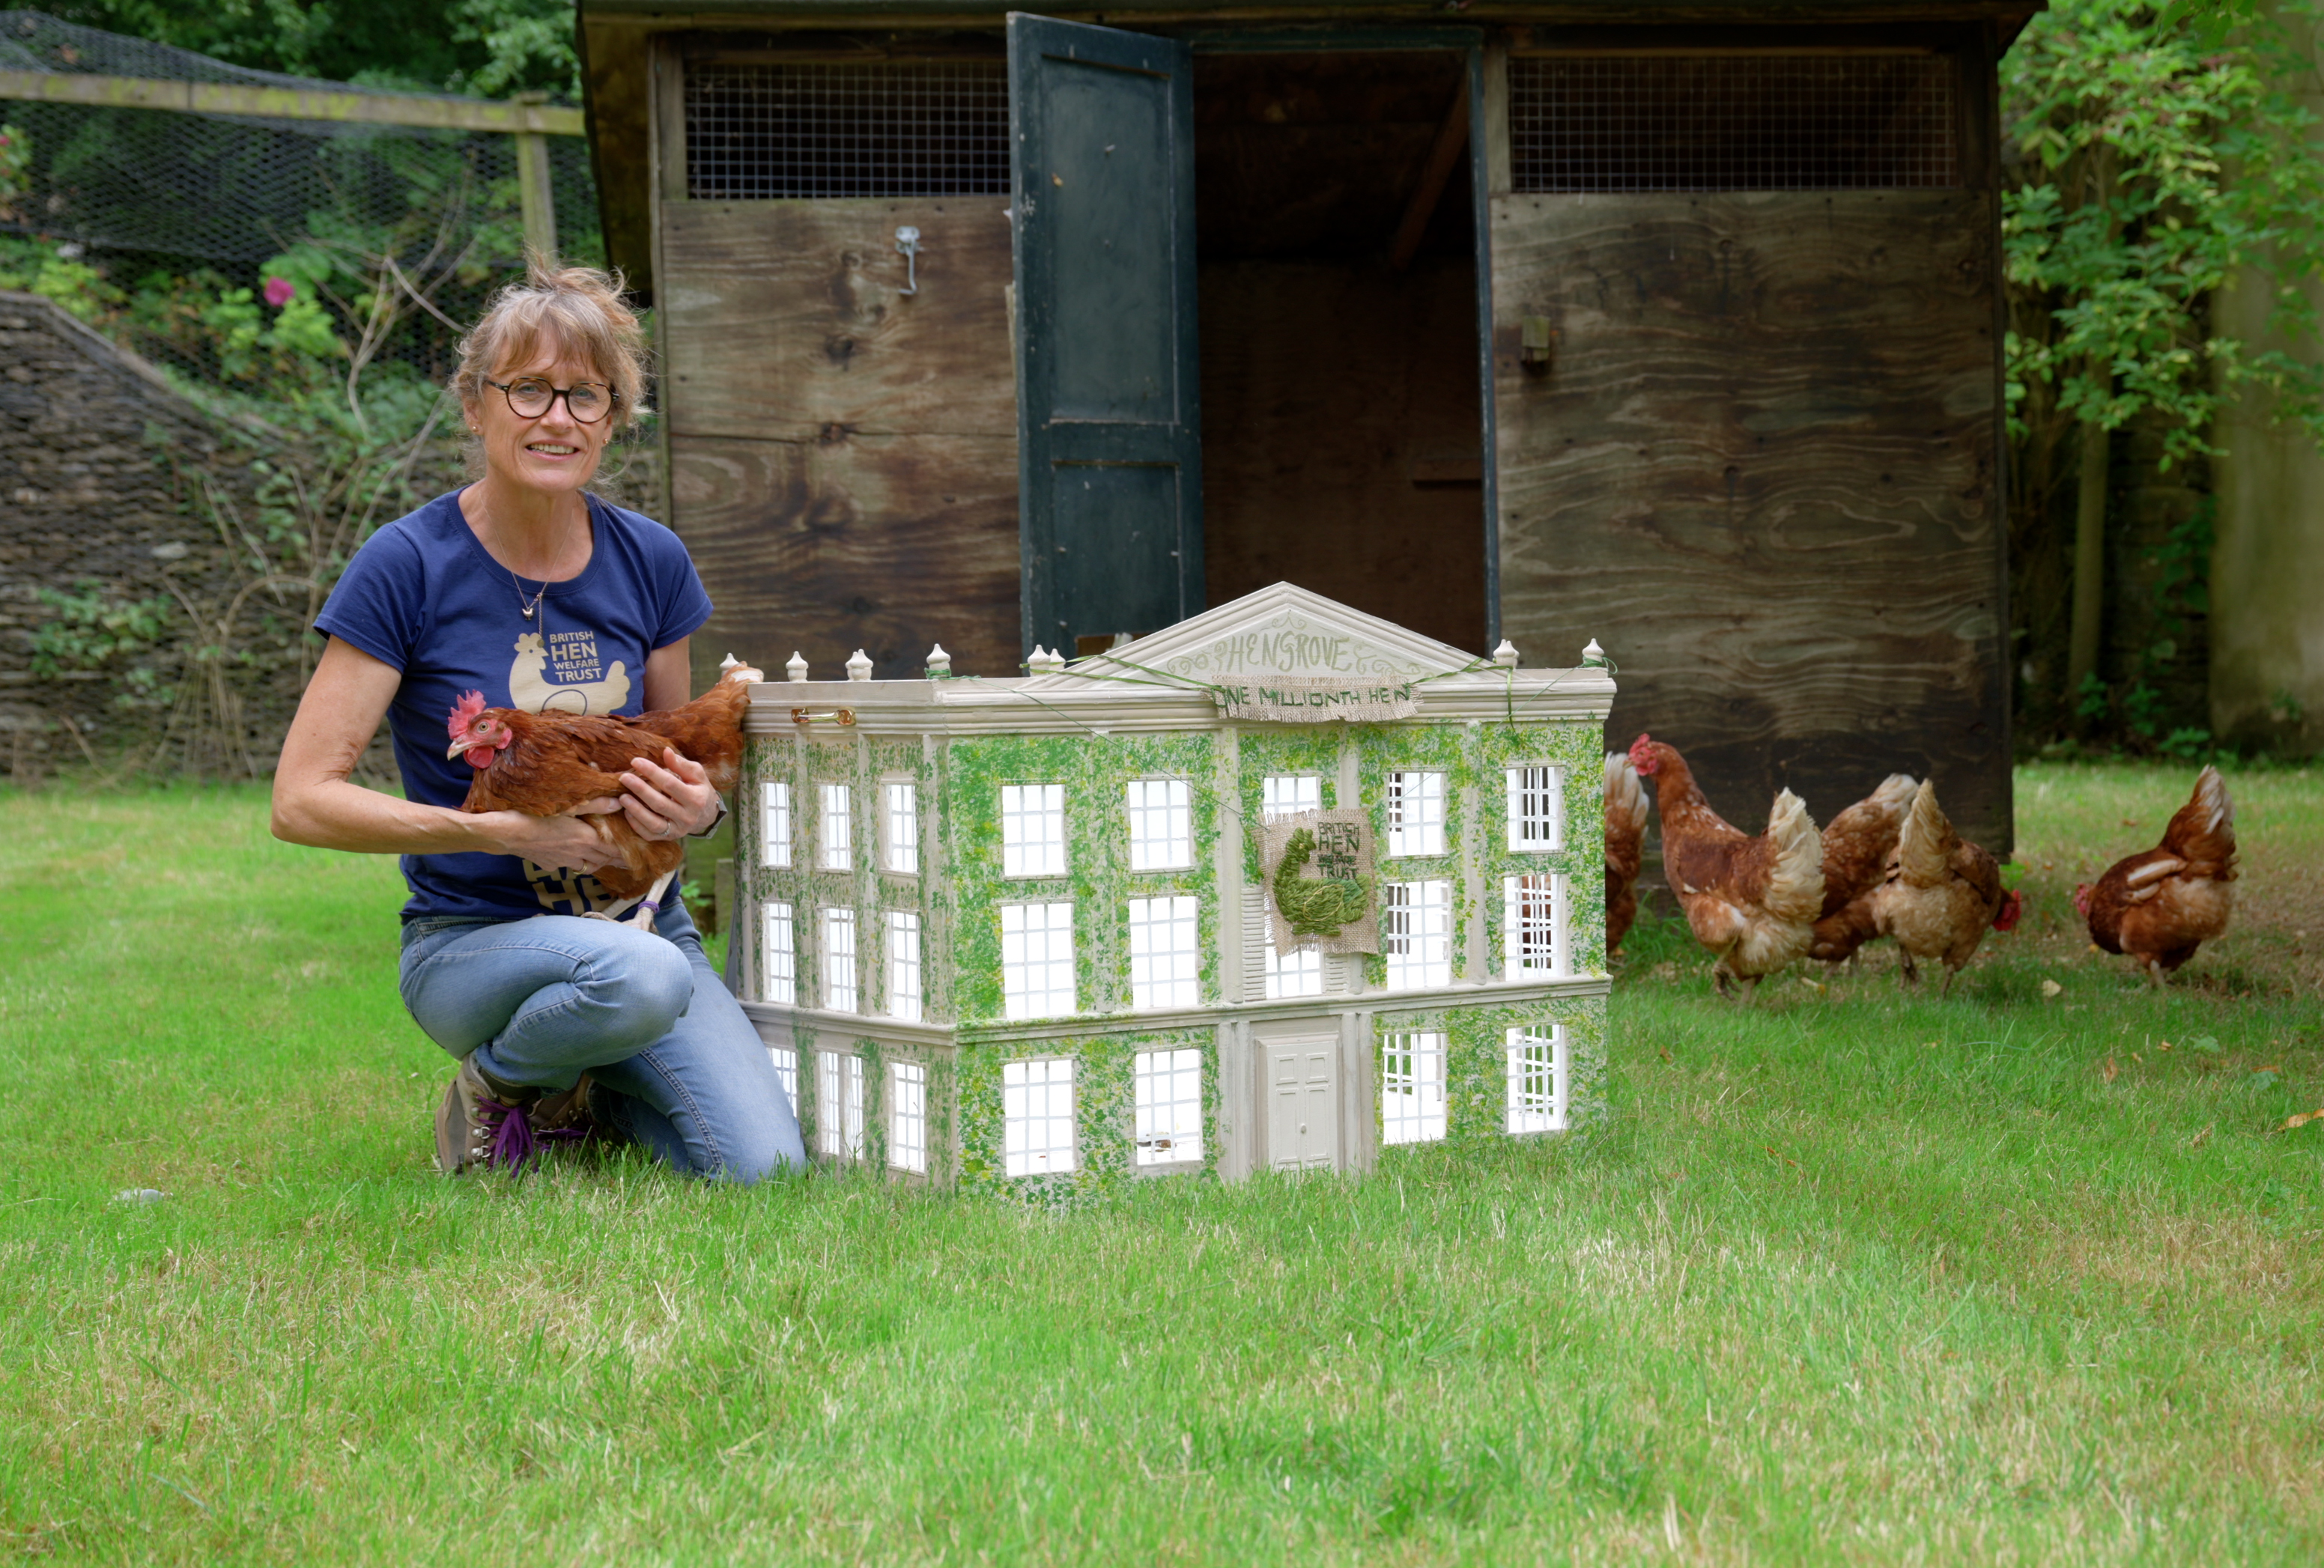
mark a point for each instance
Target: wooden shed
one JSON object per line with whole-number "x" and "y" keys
{"x": 1673, "y": 326}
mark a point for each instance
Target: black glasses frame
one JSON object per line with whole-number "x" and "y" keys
{"x": 555, "y": 392}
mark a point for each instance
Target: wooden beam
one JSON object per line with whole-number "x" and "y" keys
{"x": 535, "y": 189}
{"x": 121, "y": 92}
{"x": 1451, "y": 137}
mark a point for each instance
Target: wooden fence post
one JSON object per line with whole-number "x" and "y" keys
{"x": 539, "y": 196}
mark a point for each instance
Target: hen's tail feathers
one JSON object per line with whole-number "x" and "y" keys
{"x": 1795, "y": 887}
{"x": 1625, "y": 794}
{"x": 1895, "y": 795}
{"x": 1924, "y": 845}
{"x": 2203, "y": 831}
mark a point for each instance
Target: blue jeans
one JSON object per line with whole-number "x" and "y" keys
{"x": 540, "y": 1001}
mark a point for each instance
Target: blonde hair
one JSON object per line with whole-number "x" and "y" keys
{"x": 578, "y": 309}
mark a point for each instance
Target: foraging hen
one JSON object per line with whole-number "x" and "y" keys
{"x": 1752, "y": 901}
{"x": 1942, "y": 893}
{"x": 1625, "y": 833}
{"x": 1856, "y": 845}
{"x": 2159, "y": 907}
{"x": 544, "y": 764}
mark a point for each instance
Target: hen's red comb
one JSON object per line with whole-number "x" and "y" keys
{"x": 465, "y": 712}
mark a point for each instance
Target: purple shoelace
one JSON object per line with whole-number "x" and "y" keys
{"x": 513, "y": 1139}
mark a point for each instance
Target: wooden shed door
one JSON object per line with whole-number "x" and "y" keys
{"x": 1100, "y": 126}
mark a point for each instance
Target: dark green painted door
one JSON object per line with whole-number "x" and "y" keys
{"x": 1107, "y": 410}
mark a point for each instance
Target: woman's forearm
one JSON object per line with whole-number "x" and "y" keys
{"x": 336, "y": 814}
{"x": 314, "y": 802}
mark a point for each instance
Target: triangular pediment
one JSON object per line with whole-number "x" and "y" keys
{"x": 1288, "y": 633}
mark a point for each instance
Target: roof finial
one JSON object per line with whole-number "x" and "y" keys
{"x": 859, "y": 666}
{"x": 797, "y": 668}
{"x": 939, "y": 662}
{"x": 1505, "y": 655}
{"x": 1044, "y": 662}
{"x": 1594, "y": 657}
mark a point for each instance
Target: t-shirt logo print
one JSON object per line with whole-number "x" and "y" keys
{"x": 581, "y": 687}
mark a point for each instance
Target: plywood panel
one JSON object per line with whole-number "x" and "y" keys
{"x": 883, "y": 543}
{"x": 787, "y": 318}
{"x": 1762, "y": 472}
{"x": 1341, "y": 440}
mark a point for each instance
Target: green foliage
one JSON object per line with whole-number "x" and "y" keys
{"x": 492, "y": 47}
{"x": 16, "y": 171}
{"x": 2156, "y": 155}
{"x": 94, "y": 629}
{"x": 1317, "y": 907}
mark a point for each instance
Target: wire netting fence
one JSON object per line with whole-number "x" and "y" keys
{"x": 302, "y": 286}
{"x": 220, "y": 202}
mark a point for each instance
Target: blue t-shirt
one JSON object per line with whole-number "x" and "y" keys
{"x": 422, "y": 596}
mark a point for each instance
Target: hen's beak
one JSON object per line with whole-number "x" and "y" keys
{"x": 459, "y": 747}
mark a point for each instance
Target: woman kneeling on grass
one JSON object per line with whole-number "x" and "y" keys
{"x": 530, "y": 589}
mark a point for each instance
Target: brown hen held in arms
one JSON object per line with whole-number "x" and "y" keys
{"x": 546, "y": 764}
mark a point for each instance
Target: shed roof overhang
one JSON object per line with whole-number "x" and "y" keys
{"x": 616, "y": 36}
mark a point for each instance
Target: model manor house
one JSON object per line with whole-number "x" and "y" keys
{"x": 1270, "y": 889}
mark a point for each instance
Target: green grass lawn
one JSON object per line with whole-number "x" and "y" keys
{"x": 1849, "y": 1276}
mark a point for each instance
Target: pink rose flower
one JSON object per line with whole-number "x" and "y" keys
{"x": 281, "y": 291}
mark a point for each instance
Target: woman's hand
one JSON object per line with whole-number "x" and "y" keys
{"x": 565, "y": 842}
{"x": 669, "y": 799}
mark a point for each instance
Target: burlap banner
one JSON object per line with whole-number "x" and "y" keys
{"x": 1320, "y": 891}
{"x": 1315, "y": 700}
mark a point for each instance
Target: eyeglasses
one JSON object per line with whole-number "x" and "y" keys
{"x": 529, "y": 397}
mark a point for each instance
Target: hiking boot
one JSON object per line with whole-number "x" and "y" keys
{"x": 566, "y": 1116}
{"x": 481, "y": 1124}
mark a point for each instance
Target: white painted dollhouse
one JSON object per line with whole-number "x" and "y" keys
{"x": 1273, "y": 889}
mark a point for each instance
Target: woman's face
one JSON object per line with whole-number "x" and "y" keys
{"x": 551, "y": 452}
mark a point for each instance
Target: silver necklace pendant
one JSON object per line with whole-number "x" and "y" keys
{"x": 527, "y": 611}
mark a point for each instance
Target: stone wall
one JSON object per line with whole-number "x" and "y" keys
{"x": 97, "y": 454}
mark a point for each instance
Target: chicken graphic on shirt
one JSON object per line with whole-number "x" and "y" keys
{"x": 530, "y": 688}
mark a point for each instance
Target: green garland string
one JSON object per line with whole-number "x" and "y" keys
{"x": 1316, "y": 908}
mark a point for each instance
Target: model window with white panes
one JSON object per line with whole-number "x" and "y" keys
{"x": 775, "y": 823}
{"x": 833, "y": 853}
{"x": 1169, "y": 1095}
{"x": 1036, "y": 1116}
{"x": 903, "y": 964}
{"x": 840, "y": 1103}
{"x": 1161, "y": 825}
{"x": 899, "y": 828}
{"x": 1032, "y": 830}
{"x": 907, "y": 1116}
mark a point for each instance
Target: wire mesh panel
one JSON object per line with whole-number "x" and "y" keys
{"x": 766, "y": 132}
{"x": 153, "y": 191}
{"x": 1733, "y": 122}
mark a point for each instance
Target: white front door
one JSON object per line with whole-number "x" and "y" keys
{"x": 1302, "y": 1109}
